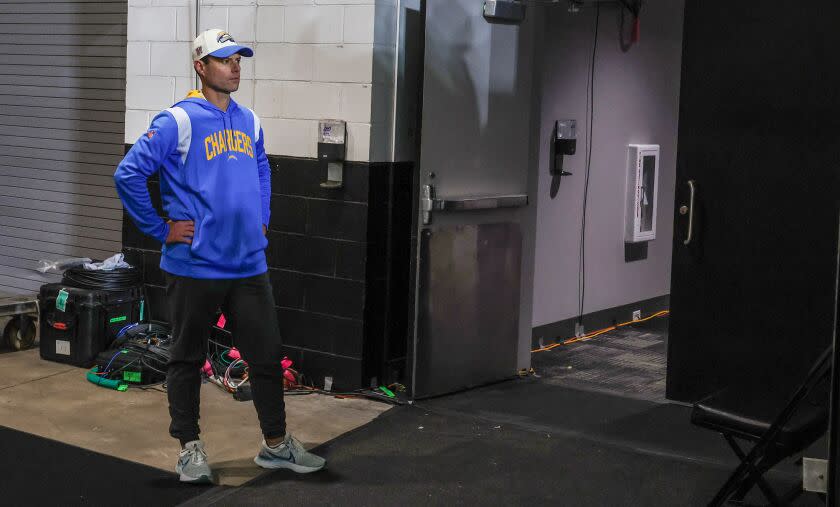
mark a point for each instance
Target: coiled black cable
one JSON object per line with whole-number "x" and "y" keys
{"x": 142, "y": 348}
{"x": 116, "y": 279}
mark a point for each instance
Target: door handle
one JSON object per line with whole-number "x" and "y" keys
{"x": 430, "y": 203}
{"x": 690, "y": 211}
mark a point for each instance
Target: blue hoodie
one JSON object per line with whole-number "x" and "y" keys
{"x": 213, "y": 171}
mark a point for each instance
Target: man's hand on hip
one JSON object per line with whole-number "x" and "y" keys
{"x": 181, "y": 231}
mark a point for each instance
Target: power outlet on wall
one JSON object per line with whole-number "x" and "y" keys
{"x": 637, "y": 315}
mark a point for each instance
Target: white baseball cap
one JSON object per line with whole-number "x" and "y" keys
{"x": 218, "y": 43}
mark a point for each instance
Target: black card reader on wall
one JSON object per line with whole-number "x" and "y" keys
{"x": 564, "y": 142}
{"x": 332, "y": 149}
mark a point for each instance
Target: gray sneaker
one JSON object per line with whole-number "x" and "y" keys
{"x": 290, "y": 454}
{"x": 192, "y": 464}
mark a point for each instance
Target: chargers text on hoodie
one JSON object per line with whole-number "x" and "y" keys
{"x": 213, "y": 171}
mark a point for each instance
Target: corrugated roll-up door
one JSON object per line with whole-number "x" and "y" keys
{"x": 62, "y": 107}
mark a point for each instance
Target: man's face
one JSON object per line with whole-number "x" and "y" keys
{"x": 220, "y": 74}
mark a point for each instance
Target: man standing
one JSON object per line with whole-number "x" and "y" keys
{"x": 215, "y": 188}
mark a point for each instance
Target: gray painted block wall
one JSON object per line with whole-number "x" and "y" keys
{"x": 636, "y": 101}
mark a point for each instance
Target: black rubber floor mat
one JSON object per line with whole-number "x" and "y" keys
{"x": 38, "y": 471}
{"x": 410, "y": 456}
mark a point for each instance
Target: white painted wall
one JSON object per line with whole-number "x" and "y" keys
{"x": 313, "y": 59}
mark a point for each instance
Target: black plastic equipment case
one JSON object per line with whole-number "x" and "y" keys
{"x": 88, "y": 324}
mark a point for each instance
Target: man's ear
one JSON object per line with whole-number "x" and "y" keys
{"x": 198, "y": 65}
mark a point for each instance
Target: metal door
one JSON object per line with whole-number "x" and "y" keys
{"x": 473, "y": 181}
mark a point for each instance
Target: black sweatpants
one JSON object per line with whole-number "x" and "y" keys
{"x": 248, "y": 303}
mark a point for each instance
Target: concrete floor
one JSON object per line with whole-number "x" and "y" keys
{"x": 55, "y": 401}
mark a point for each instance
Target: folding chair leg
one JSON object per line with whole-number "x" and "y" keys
{"x": 754, "y": 477}
{"x": 730, "y": 486}
{"x": 743, "y": 478}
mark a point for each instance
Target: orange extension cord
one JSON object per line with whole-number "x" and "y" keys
{"x": 599, "y": 332}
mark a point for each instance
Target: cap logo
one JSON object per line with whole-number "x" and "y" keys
{"x": 198, "y": 50}
{"x": 224, "y": 37}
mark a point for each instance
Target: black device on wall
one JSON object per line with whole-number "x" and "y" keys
{"x": 563, "y": 143}
{"x": 507, "y": 12}
{"x": 332, "y": 150}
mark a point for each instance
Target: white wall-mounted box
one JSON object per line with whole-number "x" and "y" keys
{"x": 642, "y": 192}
